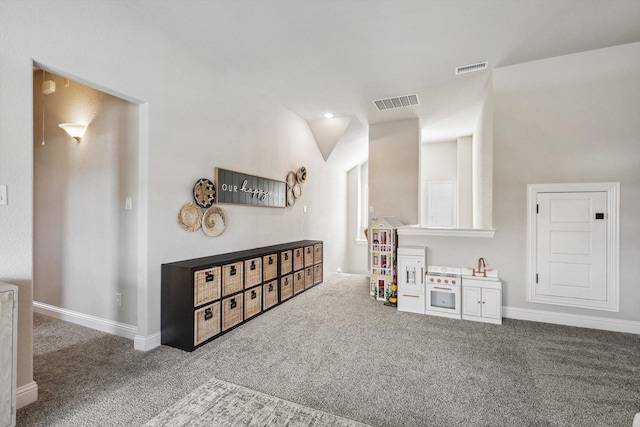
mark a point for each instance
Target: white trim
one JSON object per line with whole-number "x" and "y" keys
{"x": 144, "y": 302}
{"x": 26, "y": 394}
{"x": 93, "y": 322}
{"x": 416, "y": 230}
{"x": 578, "y": 320}
{"x": 143, "y": 343}
{"x": 613, "y": 244}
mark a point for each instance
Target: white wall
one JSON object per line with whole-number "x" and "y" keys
{"x": 482, "y": 159}
{"x": 394, "y": 169}
{"x": 357, "y": 250}
{"x": 192, "y": 118}
{"x": 465, "y": 182}
{"x": 559, "y": 120}
{"x": 85, "y": 242}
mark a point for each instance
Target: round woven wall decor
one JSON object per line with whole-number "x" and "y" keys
{"x": 301, "y": 176}
{"x": 190, "y": 216}
{"x": 291, "y": 200}
{"x": 291, "y": 179}
{"x": 204, "y": 193}
{"x": 214, "y": 221}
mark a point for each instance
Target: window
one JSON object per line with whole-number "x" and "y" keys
{"x": 440, "y": 197}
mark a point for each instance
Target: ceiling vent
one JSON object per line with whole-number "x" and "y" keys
{"x": 471, "y": 68}
{"x": 396, "y": 102}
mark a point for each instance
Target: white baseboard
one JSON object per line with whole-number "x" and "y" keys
{"x": 93, "y": 322}
{"x": 26, "y": 394}
{"x": 581, "y": 321}
{"x": 143, "y": 343}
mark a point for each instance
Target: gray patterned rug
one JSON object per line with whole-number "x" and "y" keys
{"x": 219, "y": 403}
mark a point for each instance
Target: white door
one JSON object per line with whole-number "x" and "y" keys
{"x": 491, "y": 303}
{"x": 572, "y": 245}
{"x": 471, "y": 301}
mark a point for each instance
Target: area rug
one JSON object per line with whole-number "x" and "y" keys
{"x": 219, "y": 403}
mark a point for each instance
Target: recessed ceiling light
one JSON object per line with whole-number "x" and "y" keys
{"x": 328, "y": 115}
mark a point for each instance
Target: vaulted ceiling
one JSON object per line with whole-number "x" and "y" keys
{"x": 315, "y": 56}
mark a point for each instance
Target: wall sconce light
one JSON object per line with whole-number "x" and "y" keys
{"x": 74, "y": 130}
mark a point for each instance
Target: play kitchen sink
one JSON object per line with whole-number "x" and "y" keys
{"x": 481, "y": 294}
{"x": 481, "y": 272}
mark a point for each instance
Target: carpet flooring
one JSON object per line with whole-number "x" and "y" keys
{"x": 335, "y": 350}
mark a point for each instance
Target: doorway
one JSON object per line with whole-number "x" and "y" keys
{"x": 86, "y": 209}
{"x": 573, "y": 235}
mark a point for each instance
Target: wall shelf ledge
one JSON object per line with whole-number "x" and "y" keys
{"x": 417, "y": 230}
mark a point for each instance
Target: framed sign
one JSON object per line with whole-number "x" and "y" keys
{"x": 243, "y": 189}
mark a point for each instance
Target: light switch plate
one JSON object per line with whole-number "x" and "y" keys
{"x": 3, "y": 195}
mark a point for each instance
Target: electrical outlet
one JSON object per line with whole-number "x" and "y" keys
{"x": 118, "y": 299}
{"x": 127, "y": 203}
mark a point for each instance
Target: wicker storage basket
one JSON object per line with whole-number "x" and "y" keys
{"x": 317, "y": 274}
{"x": 206, "y": 323}
{"x": 298, "y": 259}
{"x": 286, "y": 287}
{"x": 270, "y": 294}
{"x": 317, "y": 253}
{"x": 232, "y": 278}
{"x": 298, "y": 282}
{"x": 308, "y": 256}
{"x": 206, "y": 285}
{"x": 232, "y": 311}
{"x": 286, "y": 262}
{"x": 269, "y": 267}
{"x": 252, "y": 302}
{"x": 308, "y": 277}
{"x": 252, "y": 272}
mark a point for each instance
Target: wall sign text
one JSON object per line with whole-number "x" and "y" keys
{"x": 240, "y": 188}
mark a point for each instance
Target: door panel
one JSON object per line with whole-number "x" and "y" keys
{"x": 472, "y": 299}
{"x": 572, "y": 254}
{"x": 491, "y": 303}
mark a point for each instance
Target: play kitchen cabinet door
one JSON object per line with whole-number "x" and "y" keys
{"x": 8, "y": 337}
{"x": 482, "y": 300}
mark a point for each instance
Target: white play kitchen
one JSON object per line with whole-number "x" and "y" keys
{"x": 469, "y": 293}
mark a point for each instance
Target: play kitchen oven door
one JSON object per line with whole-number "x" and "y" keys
{"x": 443, "y": 295}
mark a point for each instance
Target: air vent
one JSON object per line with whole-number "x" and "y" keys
{"x": 471, "y": 68}
{"x": 397, "y": 102}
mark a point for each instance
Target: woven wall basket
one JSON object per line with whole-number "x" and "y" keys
{"x": 214, "y": 221}
{"x": 190, "y": 216}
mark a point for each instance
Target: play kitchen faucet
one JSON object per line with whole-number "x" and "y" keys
{"x": 481, "y": 263}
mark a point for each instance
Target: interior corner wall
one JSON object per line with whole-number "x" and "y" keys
{"x": 394, "y": 170}
{"x": 188, "y": 134}
{"x": 465, "y": 181}
{"x": 482, "y": 163}
{"x": 566, "y": 119}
